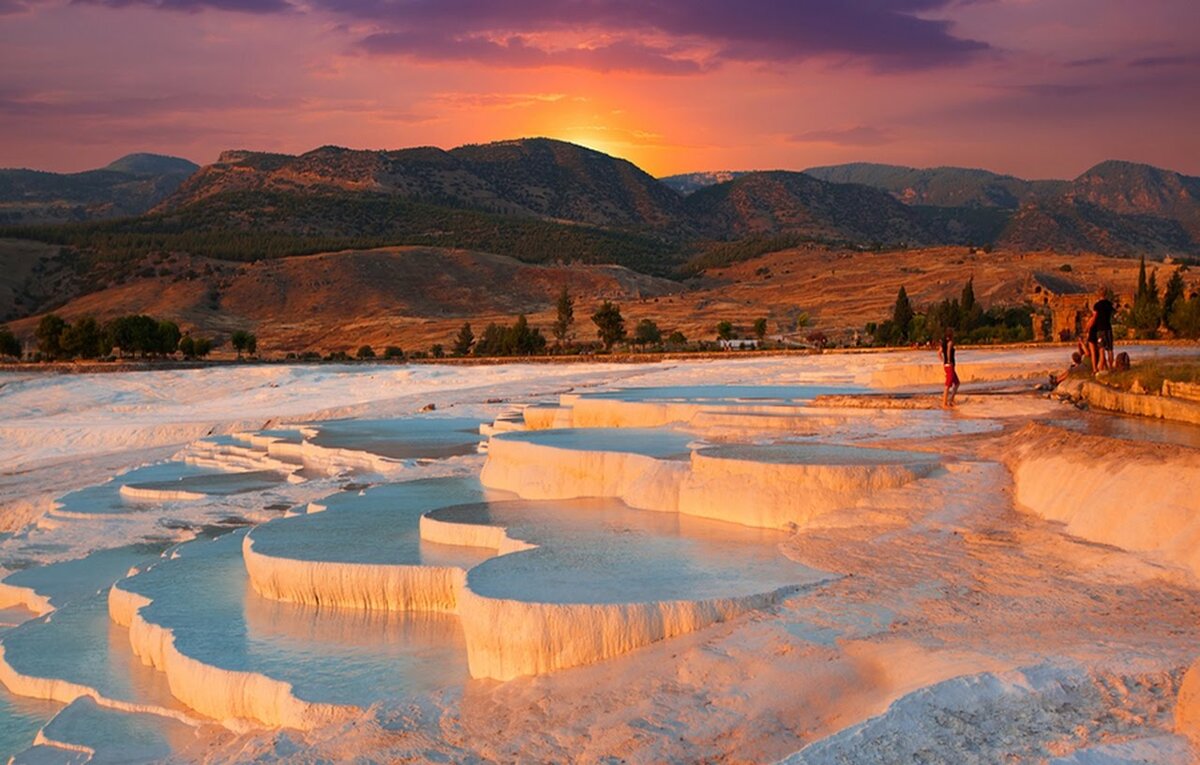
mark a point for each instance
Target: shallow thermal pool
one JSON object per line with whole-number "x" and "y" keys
{"x": 709, "y": 394}
{"x": 662, "y": 443}
{"x": 80, "y": 644}
{"x": 106, "y": 499}
{"x": 603, "y": 551}
{"x": 818, "y": 454}
{"x": 376, "y": 525}
{"x": 402, "y": 438}
{"x": 20, "y": 721}
{"x": 71, "y": 580}
{"x": 216, "y": 484}
{"x": 331, "y": 655}
{"x": 1133, "y": 429}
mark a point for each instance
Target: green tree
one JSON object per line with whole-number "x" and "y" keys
{"x": 647, "y": 333}
{"x": 203, "y": 347}
{"x": 610, "y": 325}
{"x": 252, "y": 344}
{"x": 187, "y": 346}
{"x": 521, "y": 340}
{"x": 760, "y": 328}
{"x": 437, "y": 351}
{"x": 168, "y": 337}
{"x": 83, "y": 339}
{"x": 492, "y": 341}
{"x": 1185, "y": 318}
{"x": 1146, "y": 312}
{"x": 902, "y": 315}
{"x": 241, "y": 341}
{"x": 393, "y": 352}
{"x": 9, "y": 344}
{"x": 725, "y": 331}
{"x": 970, "y": 312}
{"x": 1172, "y": 295}
{"x": 463, "y": 340}
{"x": 365, "y": 352}
{"x": 49, "y": 335}
{"x": 565, "y": 316}
{"x": 677, "y": 339}
{"x": 132, "y": 334}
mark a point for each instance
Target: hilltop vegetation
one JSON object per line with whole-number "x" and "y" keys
{"x": 545, "y": 201}
{"x": 256, "y": 225}
{"x": 942, "y": 186}
{"x": 129, "y": 186}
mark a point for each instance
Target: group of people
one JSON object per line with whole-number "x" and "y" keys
{"x": 1095, "y": 345}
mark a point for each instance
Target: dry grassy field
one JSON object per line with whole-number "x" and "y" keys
{"x": 413, "y": 297}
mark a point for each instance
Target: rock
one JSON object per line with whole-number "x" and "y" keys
{"x": 429, "y": 408}
{"x": 1137, "y": 388}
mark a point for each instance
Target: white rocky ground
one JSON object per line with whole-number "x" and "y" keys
{"x": 959, "y": 623}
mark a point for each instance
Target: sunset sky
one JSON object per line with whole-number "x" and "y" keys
{"x": 1038, "y": 88}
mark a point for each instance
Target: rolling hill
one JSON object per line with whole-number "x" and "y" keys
{"x": 129, "y": 186}
{"x": 688, "y": 183}
{"x": 534, "y": 177}
{"x": 763, "y": 203}
{"x": 340, "y": 300}
{"x": 941, "y": 186}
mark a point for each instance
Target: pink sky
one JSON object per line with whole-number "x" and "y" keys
{"x": 1037, "y": 88}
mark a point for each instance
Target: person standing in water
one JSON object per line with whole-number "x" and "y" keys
{"x": 946, "y": 354}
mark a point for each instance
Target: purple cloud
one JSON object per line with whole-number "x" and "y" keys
{"x": 862, "y": 135}
{"x": 1154, "y": 62}
{"x": 195, "y": 6}
{"x": 630, "y": 34}
{"x": 887, "y": 33}
{"x": 515, "y": 51}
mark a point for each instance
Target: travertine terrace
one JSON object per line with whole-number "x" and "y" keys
{"x": 816, "y": 567}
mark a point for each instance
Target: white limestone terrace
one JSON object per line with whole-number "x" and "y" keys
{"x": 406, "y": 438}
{"x": 766, "y": 485}
{"x": 233, "y": 656}
{"x": 363, "y": 549}
{"x": 202, "y": 486}
{"x": 116, "y": 496}
{"x": 936, "y": 557}
{"x": 422, "y": 558}
{"x": 41, "y": 589}
{"x": 21, "y": 720}
{"x": 599, "y": 579}
{"x": 747, "y": 412}
{"x": 76, "y": 653}
{"x": 68, "y": 653}
{"x": 85, "y": 731}
{"x": 652, "y": 407}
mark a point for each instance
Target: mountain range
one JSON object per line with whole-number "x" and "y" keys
{"x": 545, "y": 201}
{"x": 1114, "y": 208}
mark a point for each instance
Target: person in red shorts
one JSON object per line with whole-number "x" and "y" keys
{"x": 946, "y": 354}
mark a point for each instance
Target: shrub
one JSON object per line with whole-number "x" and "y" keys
{"x": 9, "y": 344}
{"x": 49, "y": 335}
{"x": 647, "y": 333}
{"x": 464, "y": 340}
{"x": 610, "y": 325}
{"x": 365, "y": 352}
{"x": 393, "y": 352}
